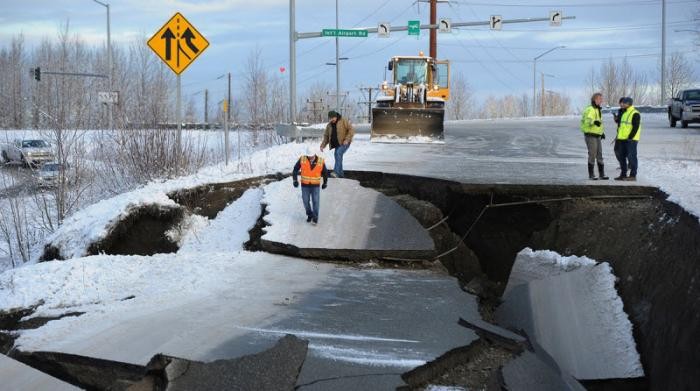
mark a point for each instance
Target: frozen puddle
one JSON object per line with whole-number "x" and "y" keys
{"x": 355, "y": 223}
{"x": 570, "y": 307}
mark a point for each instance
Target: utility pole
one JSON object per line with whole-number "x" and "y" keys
{"x": 315, "y": 112}
{"x": 663, "y": 52}
{"x": 206, "y": 108}
{"x": 227, "y": 107}
{"x": 369, "y": 101}
{"x": 433, "y": 31}
{"x": 542, "y": 93}
{"x": 534, "y": 77}
{"x": 292, "y": 62}
{"x": 337, "y": 60}
{"x": 109, "y": 61}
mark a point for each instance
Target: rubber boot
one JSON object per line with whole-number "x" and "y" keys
{"x": 591, "y": 175}
{"x": 601, "y": 172}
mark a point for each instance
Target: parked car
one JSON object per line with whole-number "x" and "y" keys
{"x": 49, "y": 174}
{"x": 31, "y": 152}
{"x": 684, "y": 107}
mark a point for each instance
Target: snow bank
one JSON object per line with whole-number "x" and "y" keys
{"x": 407, "y": 140}
{"x": 92, "y": 223}
{"x": 532, "y": 265}
{"x": 680, "y": 179}
{"x": 229, "y": 231}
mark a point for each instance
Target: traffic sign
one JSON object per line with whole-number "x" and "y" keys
{"x": 445, "y": 25}
{"x": 414, "y": 27}
{"x": 178, "y": 43}
{"x": 108, "y": 97}
{"x": 344, "y": 33}
{"x": 555, "y": 18}
{"x": 496, "y": 22}
{"x": 384, "y": 29}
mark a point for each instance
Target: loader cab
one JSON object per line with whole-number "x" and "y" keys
{"x": 421, "y": 70}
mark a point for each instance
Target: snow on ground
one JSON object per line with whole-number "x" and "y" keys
{"x": 680, "y": 179}
{"x": 407, "y": 140}
{"x": 532, "y": 265}
{"x": 229, "y": 231}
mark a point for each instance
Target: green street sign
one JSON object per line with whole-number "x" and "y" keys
{"x": 414, "y": 27}
{"x": 344, "y": 33}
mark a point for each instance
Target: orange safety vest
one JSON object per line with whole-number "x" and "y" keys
{"x": 311, "y": 176}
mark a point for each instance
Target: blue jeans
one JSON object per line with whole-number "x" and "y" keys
{"x": 626, "y": 150}
{"x": 311, "y": 195}
{"x": 339, "y": 152}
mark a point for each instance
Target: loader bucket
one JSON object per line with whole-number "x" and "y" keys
{"x": 409, "y": 125}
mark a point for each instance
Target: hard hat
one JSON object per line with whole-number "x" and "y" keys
{"x": 310, "y": 151}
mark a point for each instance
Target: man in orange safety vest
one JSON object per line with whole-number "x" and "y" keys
{"x": 313, "y": 172}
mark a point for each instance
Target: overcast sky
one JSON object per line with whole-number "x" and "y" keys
{"x": 494, "y": 62}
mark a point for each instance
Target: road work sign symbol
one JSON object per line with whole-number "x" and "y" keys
{"x": 555, "y": 18}
{"x": 178, "y": 43}
{"x": 496, "y": 22}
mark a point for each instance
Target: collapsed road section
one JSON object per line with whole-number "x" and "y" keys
{"x": 370, "y": 320}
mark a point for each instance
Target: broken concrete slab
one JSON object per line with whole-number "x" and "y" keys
{"x": 18, "y": 376}
{"x": 495, "y": 333}
{"x": 532, "y": 265}
{"x": 527, "y": 372}
{"x": 578, "y": 318}
{"x": 273, "y": 369}
{"x": 82, "y": 371}
{"x": 356, "y": 223}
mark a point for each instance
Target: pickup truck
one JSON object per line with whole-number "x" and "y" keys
{"x": 684, "y": 107}
{"x": 31, "y": 152}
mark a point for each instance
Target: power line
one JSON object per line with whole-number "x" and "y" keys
{"x": 578, "y": 5}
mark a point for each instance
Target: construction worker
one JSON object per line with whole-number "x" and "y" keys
{"x": 627, "y": 138}
{"x": 593, "y": 133}
{"x": 338, "y": 135}
{"x": 313, "y": 170}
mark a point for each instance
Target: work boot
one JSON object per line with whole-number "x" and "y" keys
{"x": 601, "y": 172}
{"x": 622, "y": 177}
{"x": 308, "y": 219}
{"x": 591, "y": 175}
{"x": 314, "y": 222}
{"x": 631, "y": 179}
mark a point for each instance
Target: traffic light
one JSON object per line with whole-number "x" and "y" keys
{"x": 37, "y": 74}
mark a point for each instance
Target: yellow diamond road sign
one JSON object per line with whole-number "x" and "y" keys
{"x": 178, "y": 43}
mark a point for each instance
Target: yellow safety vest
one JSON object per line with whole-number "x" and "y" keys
{"x": 623, "y": 132}
{"x": 590, "y": 115}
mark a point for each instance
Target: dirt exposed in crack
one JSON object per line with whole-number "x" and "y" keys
{"x": 472, "y": 366}
{"x": 652, "y": 244}
{"x": 208, "y": 200}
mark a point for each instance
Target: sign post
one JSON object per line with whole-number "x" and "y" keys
{"x": 178, "y": 44}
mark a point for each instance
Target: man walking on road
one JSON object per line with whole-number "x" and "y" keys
{"x": 593, "y": 132}
{"x": 627, "y": 138}
{"x": 338, "y": 135}
{"x": 312, "y": 169}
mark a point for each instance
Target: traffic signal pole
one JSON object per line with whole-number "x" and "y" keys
{"x": 294, "y": 36}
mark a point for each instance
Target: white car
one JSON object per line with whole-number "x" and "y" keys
{"x": 49, "y": 174}
{"x": 30, "y": 152}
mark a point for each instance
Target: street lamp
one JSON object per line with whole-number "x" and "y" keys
{"x": 339, "y": 58}
{"x": 534, "y": 75}
{"x": 109, "y": 59}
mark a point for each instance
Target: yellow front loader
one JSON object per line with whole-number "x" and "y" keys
{"x": 412, "y": 106}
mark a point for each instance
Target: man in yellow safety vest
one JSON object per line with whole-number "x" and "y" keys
{"x": 627, "y": 138}
{"x": 313, "y": 171}
{"x": 593, "y": 133}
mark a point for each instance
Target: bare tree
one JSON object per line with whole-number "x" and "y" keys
{"x": 460, "y": 104}
{"x": 679, "y": 74}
